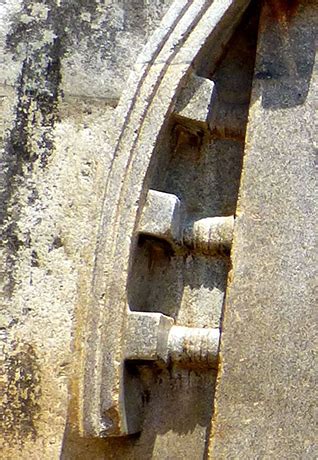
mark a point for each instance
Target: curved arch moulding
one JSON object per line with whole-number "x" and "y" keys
{"x": 110, "y": 403}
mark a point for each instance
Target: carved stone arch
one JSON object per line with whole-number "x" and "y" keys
{"x": 162, "y": 70}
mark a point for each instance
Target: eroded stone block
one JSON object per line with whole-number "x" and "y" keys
{"x": 194, "y": 103}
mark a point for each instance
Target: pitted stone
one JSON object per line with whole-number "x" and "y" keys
{"x": 210, "y": 234}
{"x": 161, "y": 216}
{"x": 193, "y": 106}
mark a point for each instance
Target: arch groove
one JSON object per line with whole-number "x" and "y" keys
{"x": 161, "y": 71}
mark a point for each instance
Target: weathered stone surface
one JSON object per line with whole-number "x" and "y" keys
{"x": 194, "y": 293}
{"x": 267, "y": 391}
{"x": 59, "y": 84}
{"x": 154, "y": 337}
{"x": 98, "y": 41}
{"x": 194, "y": 104}
{"x": 161, "y": 216}
{"x": 193, "y": 347}
{"x": 164, "y": 64}
{"x": 58, "y": 76}
{"x": 210, "y": 235}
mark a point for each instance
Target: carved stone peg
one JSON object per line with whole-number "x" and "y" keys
{"x": 162, "y": 218}
{"x": 209, "y": 234}
{"x": 193, "y": 106}
{"x": 154, "y": 337}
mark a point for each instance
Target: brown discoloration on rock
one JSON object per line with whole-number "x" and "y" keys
{"x": 282, "y": 10}
{"x": 187, "y": 139}
{"x": 21, "y": 408}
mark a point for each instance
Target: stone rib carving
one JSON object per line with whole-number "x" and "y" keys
{"x": 160, "y": 73}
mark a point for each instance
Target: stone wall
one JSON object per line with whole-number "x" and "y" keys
{"x": 63, "y": 68}
{"x": 265, "y": 402}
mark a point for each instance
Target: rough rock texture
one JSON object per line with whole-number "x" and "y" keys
{"x": 145, "y": 110}
{"x": 60, "y": 78}
{"x": 59, "y": 86}
{"x": 267, "y": 391}
{"x": 64, "y": 65}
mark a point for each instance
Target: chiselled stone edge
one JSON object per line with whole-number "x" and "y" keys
{"x": 160, "y": 73}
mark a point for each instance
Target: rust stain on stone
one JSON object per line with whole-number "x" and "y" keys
{"x": 282, "y": 11}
